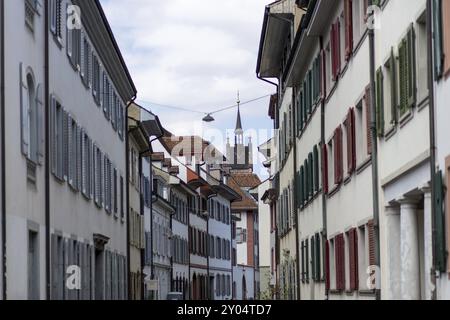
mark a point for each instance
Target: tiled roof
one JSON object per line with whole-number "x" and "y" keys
{"x": 246, "y": 179}
{"x": 247, "y": 202}
{"x": 188, "y": 146}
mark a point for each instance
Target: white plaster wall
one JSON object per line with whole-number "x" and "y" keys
{"x": 264, "y": 227}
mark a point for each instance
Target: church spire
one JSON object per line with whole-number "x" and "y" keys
{"x": 239, "y": 130}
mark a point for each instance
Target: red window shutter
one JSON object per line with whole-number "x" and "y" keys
{"x": 351, "y": 144}
{"x": 446, "y": 35}
{"x": 336, "y": 156}
{"x": 324, "y": 73}
{"x": 342, "y": 261}
{"x": 327, "y": 265}
{"x": 352, "y": 259}
{"x": 341, "y": 158}
{"x": 353, "y": 134}
{"x": 337, "y": 262}
{"x": 355, "y": 232}
{"x": 368, "y": 100}
{"x": 325, "y": 168}
{"x": 338, "y": 47}
{"x": 348, "y": 28}
{"x": 371, "y": 233}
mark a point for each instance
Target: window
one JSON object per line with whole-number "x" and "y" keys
{"x": 31, "y": 9}
{"x": 56, "y": 23}
{"x": 96, "y": 79}
{"x": 421, "y": 57}
{"x": 33, "y": 266}
{"x": 57, "y": 130}
{"x": 446, "y": 35}
{"x": 86, "y": 167}
{"x": 349, "y": 141}
{"x": 353, "y": 272}
{"x": 74, "y": 47}
{"x": 98, "y": 176}
{"x": 363, "y": 261}
{"x": 335, "y": 41}
{"x": 348, "y": 22}
{"x": 386, "y": 90}
{"x": 86, "y": 56}
{"x": 106, "y": 96}
{"x": 32, "y": 117}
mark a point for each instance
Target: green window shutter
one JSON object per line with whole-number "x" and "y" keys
{"x": 317, "y": 255}
{"x": 311, "y": 174}
{"x": 307, "y": 258}
{"x": 411, "y": 58}
{"x": 306, "y": 164}
{"x": 403, "y": 78}
{"x": 380, "y": 102}
{"x": 313, "y": 259}
{"x": 316, "y": 169}
{"x": 441, "y": 254}
{"x": 437, "y": 32}
{"x": 394, "y": 96}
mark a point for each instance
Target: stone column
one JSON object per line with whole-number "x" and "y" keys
{"x": 428, "y": 238}
{"x": 393, "y": 253}
{"x": 409, "y": 250}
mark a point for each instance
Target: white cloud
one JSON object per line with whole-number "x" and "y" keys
{"x": 193, "y": 53}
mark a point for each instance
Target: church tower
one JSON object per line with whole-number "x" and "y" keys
{"x": 239, "y": 156}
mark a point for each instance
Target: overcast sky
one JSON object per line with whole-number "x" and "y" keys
{"x": 194, "y": 54}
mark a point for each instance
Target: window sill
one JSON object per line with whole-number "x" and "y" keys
{"x": 310, "y": 201}
{"x": 310, "y": 117}
{"x": 58, "y": 41}
{"x": 330, "y": 94}
{"x": 407, "y": 117}
{"x": 390, "y": 132}
{"x": 363, "y": 166}
{"x": 423, "y": 104}
{"x": 367, "y": 293}
{"x": 335, "y": 292}
{"x": 334, "y": 191}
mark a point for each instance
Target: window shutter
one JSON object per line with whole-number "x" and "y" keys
{"x": 317, "y": 257}
{"x": 440, "y": 223}
{"x": 65, "y": 149}
{"x": 313, "y": 259}
{"x": 316, "y": 169}
{"x": 312, "y": 181}
{"x": 348, "y": 16}
{"x": 351, "y": 144}
{"x": 394, "y": 96}
{"x": 437, "y": 36}
{"x": 411, "y": 58}
{"x": 78, "y": 157}
{"x": 352, "y": 264}
{"x": 40, "y": 148}
{"x": 368, "y": 101}
{"x": 446, "y": 35}
{"x": 380, "y": 102}
{"x": 303, "y": 261}
{"x": 24, "y": 110}
{"x": 325, "y": 168}
{"x": 372, "y": 253}
{"x": 53, "y": 135}
{"x": 327, "y": 266}
{"x": 403, "y": 77}
{"x": 338, "y": 47}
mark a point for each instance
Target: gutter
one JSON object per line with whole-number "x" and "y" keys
{"x": 297, "y": 236}
{"x": 431, "y": 108}
{"x": 373, "y": 130}
{"x": 47, "y": 152}
{"x": 3, "y": 146}
{"x": 323, "y": 142}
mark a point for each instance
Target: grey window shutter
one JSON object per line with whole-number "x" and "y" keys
{"x": 53, "y": 134}
{"x": 65, "y": 149}
{"x": 24, "y": 110}
{"x": 54, "y": 267}
{"x": 40, "y": 125}
{"x": 70, "y": 155}
{"x": 78, "y": 157}
{"x": 83, "y": 160}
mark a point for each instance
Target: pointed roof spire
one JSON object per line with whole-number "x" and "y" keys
{"x": 238, "y": 120}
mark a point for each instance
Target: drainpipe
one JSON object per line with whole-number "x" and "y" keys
{"x": 297, "y": 236}
{"x": 432, "y": 142}
{"x": 3, "y": 146}
{"x": 127, "y": 191}
{"x": 47, "y": 153}
{"x": 323, "y": 142}
{"x": 373, "y": 130}
{"x": 152, "y": 272}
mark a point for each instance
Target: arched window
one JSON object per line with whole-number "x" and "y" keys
{"x": 31, "y": 112}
